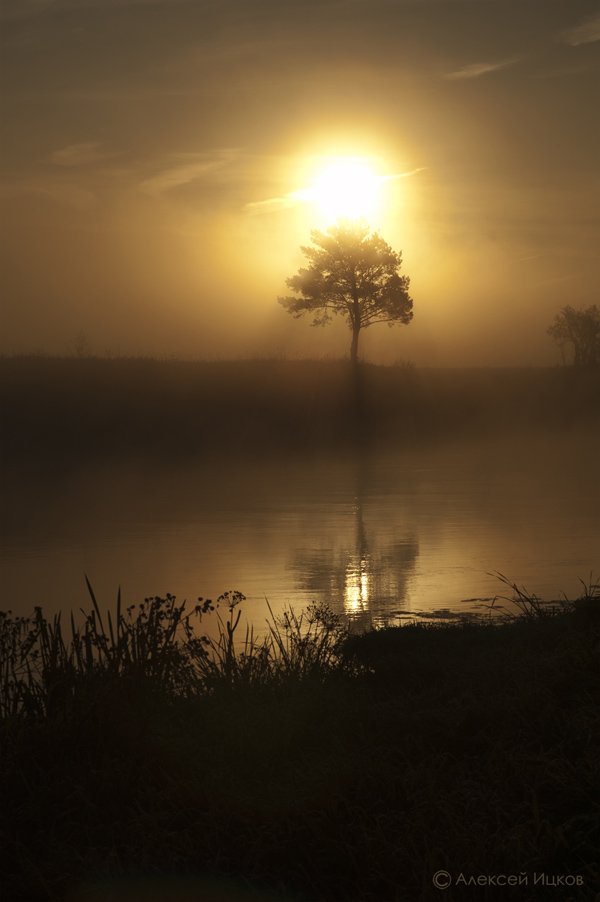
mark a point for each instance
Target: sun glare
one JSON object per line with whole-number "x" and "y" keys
{"x": 346, "y": 188}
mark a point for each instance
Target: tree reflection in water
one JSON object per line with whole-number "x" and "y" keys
{"x": 365, "y": 581}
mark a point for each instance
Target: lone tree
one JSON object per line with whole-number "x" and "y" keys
{"x": 354, "y": 273}
{"x": 578, "y": 330}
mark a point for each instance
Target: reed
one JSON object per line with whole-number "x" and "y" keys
{"x": 45, "y": 665}
{"x": 305, "y": 764}
{"x": 529, "y": 606}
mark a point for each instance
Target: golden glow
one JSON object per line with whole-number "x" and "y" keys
{"x": 344, "y": 188}
{"x": 357, "y": 588}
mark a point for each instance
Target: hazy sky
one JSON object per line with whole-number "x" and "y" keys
{"x": 145, "y": 144}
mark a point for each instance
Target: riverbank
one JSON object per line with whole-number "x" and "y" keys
{"x": 70, "y": 411}
{"x": 354, "y": 769}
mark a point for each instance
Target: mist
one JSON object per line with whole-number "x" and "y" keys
{"x": 300, "y": 407}
{"x": 136, "y": 201}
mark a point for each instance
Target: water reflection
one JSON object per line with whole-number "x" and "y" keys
{"x": 366, "y": 578}
{"x": 406, "y": 530}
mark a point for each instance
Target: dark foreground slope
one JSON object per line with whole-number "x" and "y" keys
{"x": 470, "y": 749}
{"x": 75, "y": 409}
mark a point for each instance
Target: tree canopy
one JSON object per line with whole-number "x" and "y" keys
{"x": 579, "y": 332}
{"x": 352, "y": 273}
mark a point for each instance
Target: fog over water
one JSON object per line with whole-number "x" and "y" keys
{"x": 376, "y": 535}
{"x": 298, "y": 300}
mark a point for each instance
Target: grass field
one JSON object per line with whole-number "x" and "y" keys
{"x": 76, "y": 409}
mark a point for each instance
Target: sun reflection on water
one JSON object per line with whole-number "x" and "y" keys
{"x": 357, "y": 587}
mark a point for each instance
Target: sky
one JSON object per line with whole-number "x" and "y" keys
{"x": 151, "y": 151}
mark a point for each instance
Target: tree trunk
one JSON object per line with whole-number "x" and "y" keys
{"x": 354, "y": 346}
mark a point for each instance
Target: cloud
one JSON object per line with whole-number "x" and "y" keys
{"x": 22, "y": 9}
{"x": 186, "y": 168}
{"x": 587, "y": 32}
{"x": 79, "y": 155}
{"x": 273, "y": 204}
{"x": 581, "y": 68}
{"x": 476, "y": 70}
{"x": 402, "y": 175}
{"x": 304, "y": 195}
{"x": 59, "y": 192}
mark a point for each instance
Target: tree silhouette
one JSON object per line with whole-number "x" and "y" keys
{"x": 579, "y": 330}
{"x": 352, "y": 273}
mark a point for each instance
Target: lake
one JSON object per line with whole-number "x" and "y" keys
{"x": 377, "y": 535}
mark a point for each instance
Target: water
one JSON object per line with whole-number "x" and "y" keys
{"x": 378, "y": 536}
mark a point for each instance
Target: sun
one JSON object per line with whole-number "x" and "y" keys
{"x": 345, "y": 188}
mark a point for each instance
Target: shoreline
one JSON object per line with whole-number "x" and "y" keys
{"x": 395, "y": 754}
{"x": 74, "y": 411}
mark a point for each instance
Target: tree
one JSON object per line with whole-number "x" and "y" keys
{"x": 578, "y": 330}
{"x": 352, "y": 273}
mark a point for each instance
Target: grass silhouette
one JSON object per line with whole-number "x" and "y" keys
{"x": 141, "y": 756}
